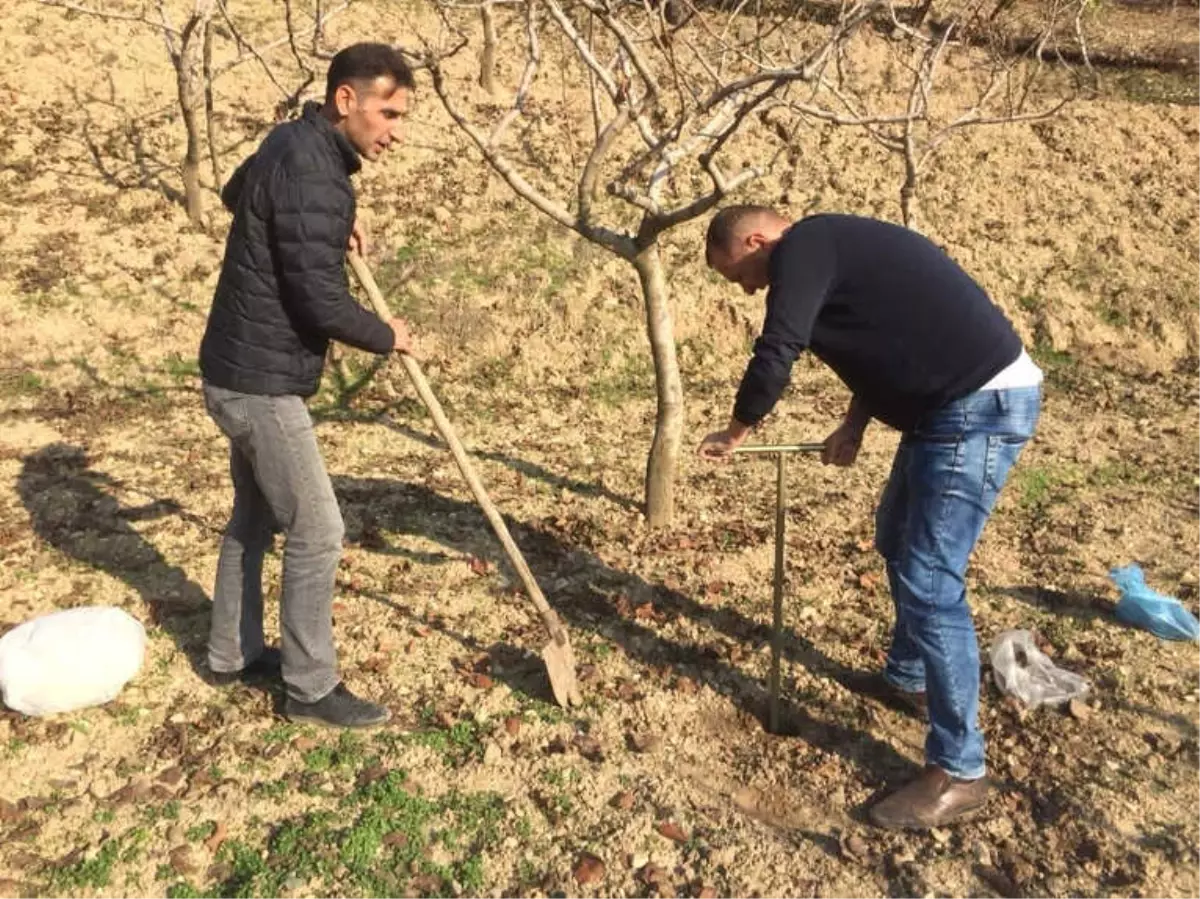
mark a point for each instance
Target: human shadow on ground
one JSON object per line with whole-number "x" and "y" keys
{"x": 71, "y": 506}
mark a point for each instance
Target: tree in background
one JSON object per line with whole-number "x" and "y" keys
{"x": 672, "y": 93}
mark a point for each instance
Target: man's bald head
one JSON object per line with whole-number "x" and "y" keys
{"x": 731, "y": 225}
{"x": 739, "y": 243}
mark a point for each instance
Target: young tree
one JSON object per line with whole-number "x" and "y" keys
{"x": 666, "y": 100}
{"x": 673, "y": 89}
{"x": 190, "y": 50}
{"x": 1011, "y": 62}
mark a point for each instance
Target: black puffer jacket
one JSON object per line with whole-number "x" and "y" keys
{"x": 282, "y": 295}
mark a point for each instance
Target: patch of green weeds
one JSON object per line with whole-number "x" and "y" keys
{"x": 181, "y": 369}
{"x": 457, "y": 745}
{"x": 21, "y": 383}
{"x": 89, "y": 875}
{"x": 371, "y": 845}
{"x": 633, "y": 378}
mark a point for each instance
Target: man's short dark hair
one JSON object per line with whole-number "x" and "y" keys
{"x": 361, "y": 63}
{"x": 726, "y": 224}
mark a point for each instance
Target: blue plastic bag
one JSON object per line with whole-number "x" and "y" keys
{"x": 1142, "y": 607}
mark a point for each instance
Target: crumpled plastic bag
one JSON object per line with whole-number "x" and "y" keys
{"x": 1142, "y": 607}
{"x": 1022, "y": 670}
{"x": 69, "y": 660}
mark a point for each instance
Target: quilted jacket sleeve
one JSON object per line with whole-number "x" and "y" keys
{"x": 311, "y": 217}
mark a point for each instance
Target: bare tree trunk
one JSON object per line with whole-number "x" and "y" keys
{"x": 487, "y": 57}
{"x": 908, "y": 197}
{"x": 209, "y": 130}
{"x": 187, "y": 67}
{"x": 318, "y": 29}
{"x": 668, "y": 426}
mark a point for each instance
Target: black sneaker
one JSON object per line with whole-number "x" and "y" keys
{"x": 338, "y": 708}
{"x": 268, "y": 666}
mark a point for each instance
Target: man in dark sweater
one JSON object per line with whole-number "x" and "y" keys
{"x": 281, "y": 297}
{"x": 924, "y": 350}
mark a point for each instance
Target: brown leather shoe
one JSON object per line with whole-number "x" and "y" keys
{"x": 874, "y": 685}
{"x": 932, "y": 800}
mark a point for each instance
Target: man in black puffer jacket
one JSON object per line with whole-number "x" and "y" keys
{"x": 282, "y": 296}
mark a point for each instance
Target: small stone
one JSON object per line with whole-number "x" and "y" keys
{"x": 219, "y": 872}
{"x": 371, "y": 774}
{"x": 304, "y": 744}
{"x": 642, "y": 741}
{"x": 425, "y": 884}
{"x": 480, "y": 681}
{"x": 556, "y": 746}
{"x": 1079, "y": 709}
{"x": 397, "y": 839}
{"x": 171, "y": 777}
{"x": 652, "y": 875}
{"x": 855, "y": 846}
{"x": 588, "y": 869}
{"x": 512, "y": 724}
{"x": 181, "y": 860}
{"x": 623, "y": 800}
{"x": 589, "y": 748}
{"x": 672, "y": 831}
{"x": 940, "y": 835}
{"x": 707, "y": 893}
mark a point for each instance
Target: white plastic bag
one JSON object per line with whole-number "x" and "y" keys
{"x": 69, "y": 660}
{"x": 1022, "y": 670}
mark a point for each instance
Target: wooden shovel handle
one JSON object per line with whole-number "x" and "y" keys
{"x": 549, "y": 618}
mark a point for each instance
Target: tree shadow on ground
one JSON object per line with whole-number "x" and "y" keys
{"x": 589, "y": 596}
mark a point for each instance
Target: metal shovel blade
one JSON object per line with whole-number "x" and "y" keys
{"x": 560, "y": 665}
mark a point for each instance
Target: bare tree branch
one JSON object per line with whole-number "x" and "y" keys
{"x": 108, "y": 16}
{"x": 617, "y": 243}
{"x": 534, "y": 57}
{"x": 591, "y": 170}
{"x": 245, "y": 45}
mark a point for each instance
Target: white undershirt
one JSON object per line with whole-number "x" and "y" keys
{"x": 1021, "y": 373}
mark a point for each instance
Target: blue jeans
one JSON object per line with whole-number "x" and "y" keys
{"x": 945, "y": 479}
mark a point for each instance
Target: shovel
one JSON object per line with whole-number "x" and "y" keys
{"x": 779, "y": 451}
{"x": 557, "y": 654}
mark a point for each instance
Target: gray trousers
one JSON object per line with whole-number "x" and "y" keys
{"x": 279, "y": 485}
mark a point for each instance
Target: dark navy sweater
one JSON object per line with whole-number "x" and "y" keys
{"x": 903, "y": 326}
